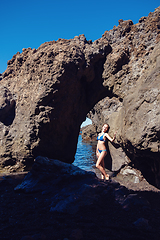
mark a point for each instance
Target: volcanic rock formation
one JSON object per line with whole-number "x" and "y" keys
{"x": 135, "y": 111}
{"x": 52, "y": 89}
{"x": 48, "y": 92}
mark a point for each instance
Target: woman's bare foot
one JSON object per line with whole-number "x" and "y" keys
{"x": 107, "y": 177}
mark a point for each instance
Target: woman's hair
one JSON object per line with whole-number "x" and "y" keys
{"x": 107, "y": 125}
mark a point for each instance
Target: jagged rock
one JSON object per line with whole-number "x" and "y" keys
{"x": 56, "y": 85}
{"x": 89, "y": 133}
{"x": 53, "y": 88}
{"x": 133, "y": 73}
{"x": 137, "y": 121}
{"x": 69, "y": 187}
{"x": 28, "y": 215}
{"x": 46, "y": 172}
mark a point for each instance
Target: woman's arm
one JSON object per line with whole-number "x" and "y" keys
{"x": 97, "y": 151}
{"x": 109, "y": 138}
{"x": 97, "y": 148}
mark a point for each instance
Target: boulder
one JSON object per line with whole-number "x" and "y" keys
{"x": 68, "y": 186}
{"x": 89, "y": 133}
{"x": 68, "y": 189}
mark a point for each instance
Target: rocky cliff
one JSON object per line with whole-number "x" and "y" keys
{"x": 132, "y": 71}
{"x": 47, "y": 92}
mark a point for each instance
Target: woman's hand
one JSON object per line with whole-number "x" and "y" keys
{"x": 114, "y": 136}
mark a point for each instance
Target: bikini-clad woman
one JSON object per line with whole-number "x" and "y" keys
{"x": 101, "y": 151}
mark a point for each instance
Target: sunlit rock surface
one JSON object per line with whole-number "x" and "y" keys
{"x": 48, "y": 91}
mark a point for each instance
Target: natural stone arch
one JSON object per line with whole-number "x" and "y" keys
{"x": 55, "y": 86}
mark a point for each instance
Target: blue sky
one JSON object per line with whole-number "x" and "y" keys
{"x": 86, "y": 122}
{"x": 30, "y": 23}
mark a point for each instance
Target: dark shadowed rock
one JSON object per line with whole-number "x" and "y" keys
{"x": 120, "y": 213}
{"x": 7, "y": 106}
{"x": 70, "y": 188}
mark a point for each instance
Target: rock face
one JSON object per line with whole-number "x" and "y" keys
{"x": 49, "y": 91}
{"x": 89, "y": 133}
{"x": 133, "y": 72}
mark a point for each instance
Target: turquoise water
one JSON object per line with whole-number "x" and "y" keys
{"x": 85, "y": 157}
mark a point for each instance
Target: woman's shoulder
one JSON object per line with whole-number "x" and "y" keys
{"x": 106, "y": 135}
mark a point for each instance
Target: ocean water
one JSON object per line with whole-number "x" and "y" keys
{"x": 85, "y": 157}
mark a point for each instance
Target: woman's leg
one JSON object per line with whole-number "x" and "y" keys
{"x": 100, "y": 164}
{"x": 103, "y": 165}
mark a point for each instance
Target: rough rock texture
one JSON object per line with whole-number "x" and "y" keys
{"x": 57, "y": 200}
{"x": 52, "y": 89}
{"x": 133, "y": 73}
{"x": 89, "y": 133}
{"x": 72, "y": 188}
{"x": 49, "y": 91}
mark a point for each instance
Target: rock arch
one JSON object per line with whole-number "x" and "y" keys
{"x": 55, "y": 86}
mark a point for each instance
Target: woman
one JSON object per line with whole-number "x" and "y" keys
{"x": 101, "y": 151}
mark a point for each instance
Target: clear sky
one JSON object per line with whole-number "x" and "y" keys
{"x": 86, "y": 122}
{"x": 30, "y": 23}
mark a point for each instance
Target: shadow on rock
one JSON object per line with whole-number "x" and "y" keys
{"x": 56, "y": 195}
{"x": 69, "y": 187}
